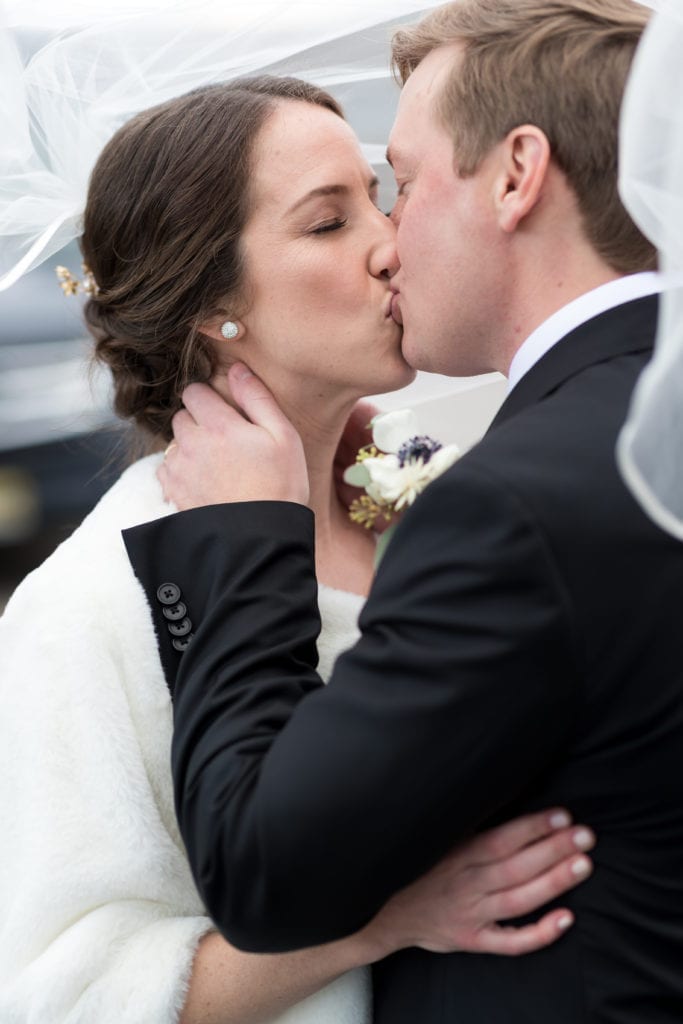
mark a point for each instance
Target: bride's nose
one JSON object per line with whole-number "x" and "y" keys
{"x": 384, "y": 260}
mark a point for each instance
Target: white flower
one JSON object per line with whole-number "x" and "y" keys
{"x": 443, "y": 459}
{"x": 395, "y": 468}
{"x": 393, "y": 484}
{"x": 391, "y": 430}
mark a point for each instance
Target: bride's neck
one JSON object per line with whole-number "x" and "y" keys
{"x": 320, "y": 438}
{"x": 344, "y": 552}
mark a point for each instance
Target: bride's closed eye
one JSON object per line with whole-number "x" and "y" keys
{"x": 331, "y": 226}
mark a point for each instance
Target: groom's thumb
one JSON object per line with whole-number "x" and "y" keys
{"x": 254, "y": 398}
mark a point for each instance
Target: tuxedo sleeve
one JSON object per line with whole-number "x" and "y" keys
{"x": 303, "y": 808}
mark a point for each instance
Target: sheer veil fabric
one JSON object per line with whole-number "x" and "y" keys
{"x": 59, "y": 107}
{"x": 71, "y": 75}
{"x": 650, "y": 447}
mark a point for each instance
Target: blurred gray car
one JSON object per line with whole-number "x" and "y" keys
{"x": 60, "y": 446}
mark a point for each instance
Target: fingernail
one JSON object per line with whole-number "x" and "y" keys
{"x": 560, "y": 819}
{"x": 566, "y": 921}
{"x": 581, "y": 867}
{"x": 242, "y": 372}
{"x": 583, "y": 839}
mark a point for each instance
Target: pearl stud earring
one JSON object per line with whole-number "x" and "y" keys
{"x": 229, "y": 330}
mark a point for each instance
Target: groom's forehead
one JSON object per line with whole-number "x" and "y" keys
{"x": 418, "y": 106}
{"x": 424, "y": 88}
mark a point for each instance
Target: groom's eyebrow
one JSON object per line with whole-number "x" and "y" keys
{"x": 329, "y": 190}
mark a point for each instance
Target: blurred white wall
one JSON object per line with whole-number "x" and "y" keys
{"x": 450, "y": 409}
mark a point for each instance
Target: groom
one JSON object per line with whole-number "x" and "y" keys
{"x": 523, "y": 642}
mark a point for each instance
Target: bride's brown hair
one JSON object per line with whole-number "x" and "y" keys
{"x": 168, "y": 200}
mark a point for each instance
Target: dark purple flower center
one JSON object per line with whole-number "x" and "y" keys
{"x": 418, "y": 448}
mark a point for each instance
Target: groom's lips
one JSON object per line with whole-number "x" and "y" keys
{"x": 396, "y": 308}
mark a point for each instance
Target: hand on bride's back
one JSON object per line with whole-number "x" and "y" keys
{"x": 502, "y": 874}
{"x": 220, "y": 454}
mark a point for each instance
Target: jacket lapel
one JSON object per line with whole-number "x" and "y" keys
{"x": 628, "y": 328}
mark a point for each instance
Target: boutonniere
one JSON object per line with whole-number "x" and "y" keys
{"x": 396, "y": 467}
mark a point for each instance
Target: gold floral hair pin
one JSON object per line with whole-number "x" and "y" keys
{"x": 71, "y": 285}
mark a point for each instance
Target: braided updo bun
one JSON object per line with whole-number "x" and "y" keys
{"x": 167, "y": 204}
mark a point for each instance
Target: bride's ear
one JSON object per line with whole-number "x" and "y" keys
{"x": 525, "y": 158}
{"x": 223, "y": 329}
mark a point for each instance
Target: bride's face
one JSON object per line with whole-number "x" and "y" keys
{"x": 319, "y": 256}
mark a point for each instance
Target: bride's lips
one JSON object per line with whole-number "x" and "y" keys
{"x": 396, "y": 308}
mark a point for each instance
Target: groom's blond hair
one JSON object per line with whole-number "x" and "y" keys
{"x": 561, "y": 65}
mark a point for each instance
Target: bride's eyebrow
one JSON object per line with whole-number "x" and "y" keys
{"x": 315, "y": 193}
{"x": 329, "y": 190}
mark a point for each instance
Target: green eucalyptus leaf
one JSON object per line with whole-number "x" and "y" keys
{"x": 357, "y": 475}
{"x": 383, "y": 543}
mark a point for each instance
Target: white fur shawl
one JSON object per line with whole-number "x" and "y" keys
{"x": 99, "y": 916}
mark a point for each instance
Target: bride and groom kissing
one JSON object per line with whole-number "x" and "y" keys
{"x": 504, "y": 664}
{"x": 520, "y": 646}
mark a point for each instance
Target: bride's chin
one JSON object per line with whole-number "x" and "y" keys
{"x": 404, "y": 376}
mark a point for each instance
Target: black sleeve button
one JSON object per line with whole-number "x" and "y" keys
{"x": 174, "y": 612}
{"x": 183, "y": 642}
{"x": 168, "y": 593}
{"x": 181, "y": 628}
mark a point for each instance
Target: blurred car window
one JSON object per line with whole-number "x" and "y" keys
{"x": 60, "y": 445}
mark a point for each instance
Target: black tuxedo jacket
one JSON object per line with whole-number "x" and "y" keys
{"x": 522, "y": 647}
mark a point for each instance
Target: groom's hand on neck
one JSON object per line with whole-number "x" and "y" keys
{"x": 220, "y": 454}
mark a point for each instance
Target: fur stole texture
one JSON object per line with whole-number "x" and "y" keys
{"x": 100, "y": 916}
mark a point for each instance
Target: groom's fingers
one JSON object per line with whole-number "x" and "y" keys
{"x": 183, "y": 423}
{"x": 205, "y": 407}
{"x": 252, "y": 395}
{"x": 502, "y": 842}
{"x": 537, "y": 858}
{"x": 208, "y": 409}
{"x": 518, "y": 941}
{"x": 523, "y": 899}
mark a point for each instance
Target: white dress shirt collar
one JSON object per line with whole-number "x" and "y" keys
{"x": 578, "y": 312}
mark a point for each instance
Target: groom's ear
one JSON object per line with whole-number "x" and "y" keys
{"x": 523, "y": 169}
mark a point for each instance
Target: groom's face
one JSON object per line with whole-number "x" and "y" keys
{"x": 452, "y": 280}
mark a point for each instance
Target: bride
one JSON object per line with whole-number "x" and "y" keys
{"x": 236, "y": 223}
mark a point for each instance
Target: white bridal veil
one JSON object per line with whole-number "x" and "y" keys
{"x": 650, "y": 448}
{"x": 71, "y": 74}
{"x": 69, "y": 79}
